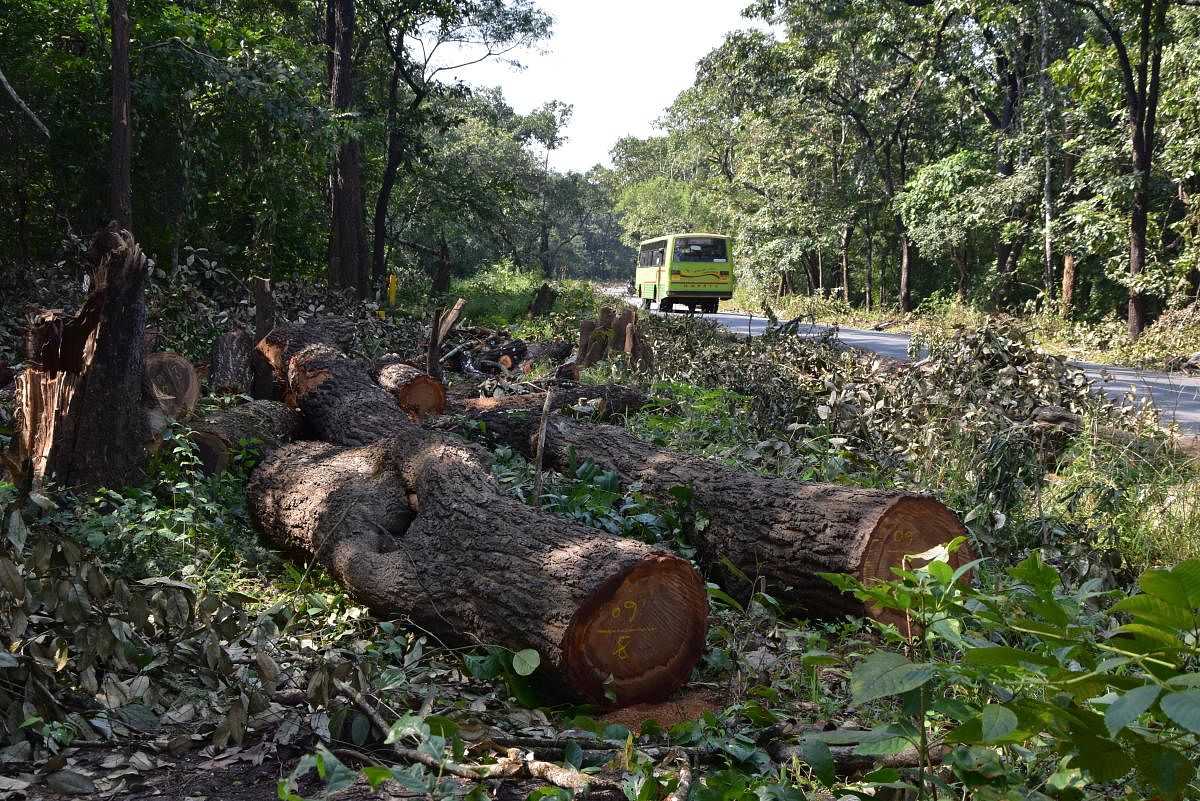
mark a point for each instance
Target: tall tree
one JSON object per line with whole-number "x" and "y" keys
{"x": 121, "y": 161}
{"x": 1146, "y": 22}
{"x": 348, "y": 267}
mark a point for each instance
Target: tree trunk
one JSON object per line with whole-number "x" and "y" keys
{"x": 785, "y": 532}
{"x": 844, "y": 248}
{"x": 1068, "y": 284}
{"x": 413, "y": 523}
{"x": 1137, "y": 245}
{"x": 543, "y": 301}
{"x": 960, "y": 261}
{"x": 230, "y": 372}
{"x": 348, "y": 235}
{"x": 120, "y": 185}
{"x": 905, "y": 293}
{"x": 417, "y": 393}
{"x": 82, "y": 408}
{"x": 870, "y": 261}
{"x": 260, "y": 425}
{"x": 263, "y": 386}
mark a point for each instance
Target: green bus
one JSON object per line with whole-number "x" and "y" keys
{"x": 693, "y": 270}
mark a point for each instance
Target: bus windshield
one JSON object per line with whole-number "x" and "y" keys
{"x": 700, "y": 248}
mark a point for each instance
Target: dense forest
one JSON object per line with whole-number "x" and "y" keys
{"x": 996, "y": 153}
{"x": 337, "y": 463}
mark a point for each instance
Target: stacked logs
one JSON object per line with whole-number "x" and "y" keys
{"x": 412, "y": 523}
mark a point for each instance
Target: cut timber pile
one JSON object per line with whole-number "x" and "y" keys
{"x": 261, "y": 424}
{"x": 782, "y": 531}
{"x": 231, "y": 373}
{"x": 416, "y": 392}
{"x": 412, "y": 523}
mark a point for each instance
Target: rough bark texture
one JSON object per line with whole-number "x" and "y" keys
{"x": 230, "y": 372}
{"x": 412, "y": 523}
{"x": 782, "y": 531}
{"x": 262, "y": 425}
{"x": 348, "y": 267}
{"x": 82, "y": 415}
{"x": 263, "y": 386}
{"x": 418, "y": 393}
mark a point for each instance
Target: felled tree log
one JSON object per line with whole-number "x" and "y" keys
{"x": 782, "y": 531}
{"x": 507, "y": 355}
{"x": 231, "y": 373}
{"x": 412, "y": 522}
{"x": 172, "y": 381}
{"x": 263, "y": 425}
{"x": 81, "y": 408}
{"x": 607, "y": 399}
{"x": 553, "y": 351}
{"x": 417, "y": 393}
{"x": 1052, "y": 420}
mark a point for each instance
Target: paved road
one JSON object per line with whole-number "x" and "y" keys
{"x": 1176, "y": 395}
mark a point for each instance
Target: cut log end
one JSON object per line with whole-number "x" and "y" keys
{"x": 173, "y": 384}
{"x": 418, "y": 393}
{"x": 644, "y": 627}
{"x": 909, "y": 526}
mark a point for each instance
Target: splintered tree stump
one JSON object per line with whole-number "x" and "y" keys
{"x": 785, "y": 532}
{"x": 412, "y": 522}
{"x": 231, "y": 372}
{"x": 260, "y": 425}
{"x": 172, "y": 381}
{"x": 416, "y": 392}
{"x": 612, "y": 334}
{"x": 82, "y": 414}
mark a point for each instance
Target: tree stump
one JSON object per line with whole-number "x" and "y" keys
{"x": 609, "y": 335}
{"x": 231, "y": 372}
{"x": 81, "y": 408}
{"x": 543, "y": 301}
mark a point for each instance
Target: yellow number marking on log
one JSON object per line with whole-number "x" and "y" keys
{"x": 903, "y": 537}
{"x": 622, "y": 649}
{"x": 629, "y": 605}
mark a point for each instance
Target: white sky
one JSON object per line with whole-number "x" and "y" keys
{"x": 620, "y": 63}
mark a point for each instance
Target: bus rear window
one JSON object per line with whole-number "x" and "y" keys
{"x": 700, "y": 248}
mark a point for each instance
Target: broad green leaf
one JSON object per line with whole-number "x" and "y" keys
{"x": 1178, "y": 586}
{"x": 1129, "y": 707}
{"x": 1183, "y": 708}
{"x": 819, "y": 758}
{"x": 885, "y": 673}
{"x": 1164, "y": 768}
{"x": 1102, "y": 758}
{"x": 997, "y": 722}
{"x": 1001, "y": 655}
{"x": 526, "y": 661}
{"x": 1155, "y": 610}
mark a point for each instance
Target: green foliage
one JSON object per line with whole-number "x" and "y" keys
{"x": 1030, "y": 679}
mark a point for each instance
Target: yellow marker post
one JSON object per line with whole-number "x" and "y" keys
{"x": 393, "y": 282}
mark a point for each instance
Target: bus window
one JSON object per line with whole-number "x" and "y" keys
{"x": 700, "y": 248}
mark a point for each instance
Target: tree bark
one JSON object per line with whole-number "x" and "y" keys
{"x": 230, "y": 372}
{"x": 607, "y": 399}
{"x": 120, "y": 186}
{"x": 412, "y": 523}
{"x": 1068, "y": 284}
{"x": 82, "y": 410}
{"x": 348, "y": 235}
{"x": 905, "y": 293}
{"x": 785, "y": 532}
{"x": 263, "y": 385}
{"x": 418, "y": 393}
{"x": 261, "y": 425}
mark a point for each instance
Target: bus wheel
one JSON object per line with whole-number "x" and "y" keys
{"x": 710, "y": 307}
{"x": 646, "y": 304}
{"x": 664, "y": 306}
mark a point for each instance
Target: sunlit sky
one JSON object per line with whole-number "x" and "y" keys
{"x": 619, "y": 63}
